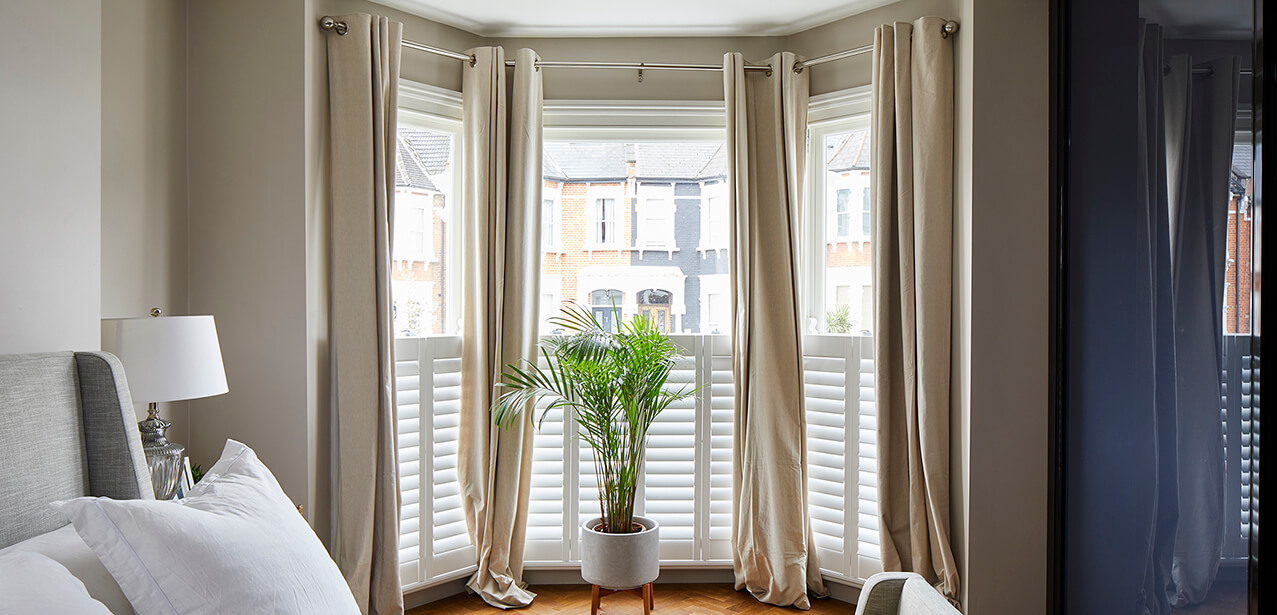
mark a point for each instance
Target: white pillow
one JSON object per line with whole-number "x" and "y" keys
{"x": 33, "y": 583}
{"x": 64, "y": 546}
{"x": 235, "y": 545}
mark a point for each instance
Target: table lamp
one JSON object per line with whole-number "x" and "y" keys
{"x": 169, "y": 358}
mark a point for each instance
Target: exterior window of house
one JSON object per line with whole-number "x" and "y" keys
{"x": 657, "y": 228}
{"x": 843, "y": 213}
{"x": 605, "y": 304}
{"x": 603, "y": 222}
{"x": 655, "y": 304}
{"x": 865, "y": 217}
{"x": 717, "y": 309}
{"x": 719, "y": 225}
{"x": 549, "y": 225}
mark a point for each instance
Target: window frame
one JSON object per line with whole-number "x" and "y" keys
{"x": 828, "y": 114}
{"x": 437, "y": 109}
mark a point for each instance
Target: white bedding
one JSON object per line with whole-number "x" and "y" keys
{"x": 65, "y": 547}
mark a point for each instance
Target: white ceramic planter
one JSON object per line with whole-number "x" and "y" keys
{"x": 620, "y": 561}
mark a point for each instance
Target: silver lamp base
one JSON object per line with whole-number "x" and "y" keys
{"x": 163, "y": 458}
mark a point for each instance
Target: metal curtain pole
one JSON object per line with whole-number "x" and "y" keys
{"x": 328, "y": 23}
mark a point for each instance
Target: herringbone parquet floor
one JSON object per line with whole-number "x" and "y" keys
{"x": 673, "y": 599}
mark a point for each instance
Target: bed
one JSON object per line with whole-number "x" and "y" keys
{"x": 70, "y": 450}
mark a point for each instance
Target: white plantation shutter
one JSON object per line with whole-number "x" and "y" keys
{"x": 433, "y": 541}
{"x": 1237, "y": 401}
{"x": 868, "y": 540}
{"x": 686, "y": 484}
{"x": 841, "y": 452}
{"x": 669, "y": 474}
{"x": 720, "y": 398}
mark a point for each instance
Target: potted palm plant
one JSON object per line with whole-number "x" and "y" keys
{"x": 614, "y": 383}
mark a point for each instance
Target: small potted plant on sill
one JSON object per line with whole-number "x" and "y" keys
{"x": 614, "y": 383}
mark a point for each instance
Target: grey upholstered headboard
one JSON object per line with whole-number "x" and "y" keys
{"x": 67, "y": 429}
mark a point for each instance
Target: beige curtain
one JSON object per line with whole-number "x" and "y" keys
{"x": 363, "y": 82}
{"x": 911, "y": 180}
{"x": 501, "y": 268}
{"x": 772, "y": 552}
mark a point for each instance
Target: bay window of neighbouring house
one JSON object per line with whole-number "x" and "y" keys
{"x": 640, "y": 219}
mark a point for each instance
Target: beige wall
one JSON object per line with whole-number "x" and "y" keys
{"x": 1009, "y": 306}
{"x": 247, "y": 227}
{"x": 572, "y": 84}
{"x": 144, "y": 252}
{"x": 50, "y": 169}
{"x": 256, "y": 152}
{"x": 858, "y": 31}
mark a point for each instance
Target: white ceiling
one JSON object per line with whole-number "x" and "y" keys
{"x": 635, "y": 18}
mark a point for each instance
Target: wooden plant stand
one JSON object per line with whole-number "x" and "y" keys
{"x": 646, "y": 592}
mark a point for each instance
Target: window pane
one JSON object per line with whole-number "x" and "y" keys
{"x": 847, "y": 276}
{"x": 617, "y": 202}
{"x": 424, "y": 186}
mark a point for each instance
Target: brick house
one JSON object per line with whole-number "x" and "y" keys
{"x": 848, "y": 277}
{"x": 636, "y": 225}
{"x": 1238, "y": 266}
{"x": 418, "y": 264}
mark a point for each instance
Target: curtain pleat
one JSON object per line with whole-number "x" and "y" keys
{"x": 911, "y": 182}
{"x": 363, "y": 76}
{"x": 772, "y": 551}
{"x": 1201, "y": 109}
{"x": 1162, "y": 509}
{"x": 501, "y": 252}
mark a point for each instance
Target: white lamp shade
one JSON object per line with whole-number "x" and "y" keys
{"x": 167, "y": 358}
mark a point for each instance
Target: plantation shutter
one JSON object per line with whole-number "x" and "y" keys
{"x": 841, "y": 454}
{"x": 720, "y": 398}
{"x": 669, "y": 474}
{"x": 548, "y": 538}
{"x": 433, "y": 541}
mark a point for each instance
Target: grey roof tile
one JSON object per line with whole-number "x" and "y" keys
{"x": 851, "y": 153}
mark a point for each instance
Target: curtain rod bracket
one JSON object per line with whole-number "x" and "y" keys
{"x": 640, "y": 72}
{"x": 328, "y": 23}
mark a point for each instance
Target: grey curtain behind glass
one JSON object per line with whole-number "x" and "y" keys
{"x": 911, "y": 180}
{"x": 501, "y": 268}
{"x": 363, "y": 86}
{"x": 772, "y": 552}
{"x": 1200, "y": 112}
{"x": 1154, "y": 237}
{"x": 1185, "y": 155}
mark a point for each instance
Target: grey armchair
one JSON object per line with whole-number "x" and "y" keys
{"x": 901, "y": 593}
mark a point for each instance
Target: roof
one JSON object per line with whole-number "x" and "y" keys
{"x": 421, "y": 154}
{"x": 1243, "y": 160}
{"x": 850, "y": 153}
{"x": 570, "y": 161}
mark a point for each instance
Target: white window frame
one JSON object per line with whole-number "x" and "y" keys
{"x": 421, "y": 564}
{"x": 426, "y": 231}
{"x": 594, "y": 194}
{"x": 438, "y": 109}
{"x": 551, "y": 230}
{"x": 653, "y": 196}
{"x": 828, "y": 114}
{"x": 711, "y": 193}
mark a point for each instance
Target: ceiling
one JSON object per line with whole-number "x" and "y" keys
{"x": 1203, "y": 19}
{"x": 642, "y": 18}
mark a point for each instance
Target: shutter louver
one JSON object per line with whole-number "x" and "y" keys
{"x": 433, "y": 541}
{"x": 721, "y": 396}
{"x": 841, "y": 453}
{"x": 669, "y": 472}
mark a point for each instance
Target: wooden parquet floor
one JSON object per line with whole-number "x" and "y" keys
{"x": 1224, "y": 599}
{"x": 672, "y": 599}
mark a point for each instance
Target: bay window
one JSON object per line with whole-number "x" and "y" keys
{"x": 613, "y": 192}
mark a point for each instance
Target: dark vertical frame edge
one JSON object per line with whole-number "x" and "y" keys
{"x": 1058, "y": 131}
